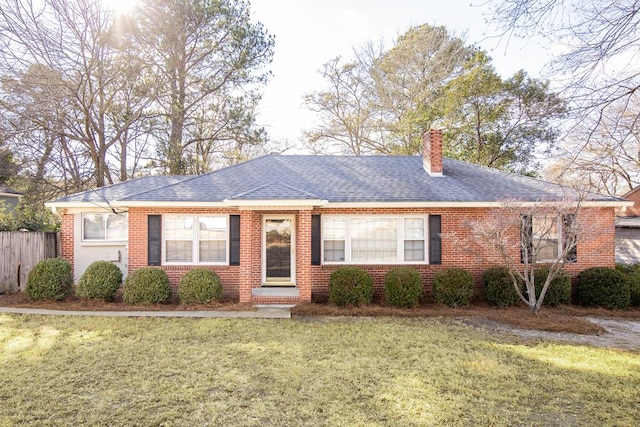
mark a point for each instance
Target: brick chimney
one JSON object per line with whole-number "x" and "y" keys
{"x": 432, "y": 152}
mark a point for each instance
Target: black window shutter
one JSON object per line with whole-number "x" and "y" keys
{"x": 568, "y": 231}
{"x": 435, "y": 239}
{"x": 234, "y": 239}
{"x": 526, "y": 236}
{"x": 154, "y": 240}
{"x": 316, "y": 239}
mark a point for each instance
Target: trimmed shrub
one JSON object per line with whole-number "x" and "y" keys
{"x": 402, "y": 287}
{"x": 200, "y": 286}
{"x": 100, "y": 280}
{"x": 147, "y": 285}
{"x": 50, "y": 279}
{"x": 632, "y": 273}
{"x": 603, "y": 287}
{"x": 559, "y": 290}
{"x": 350, "y": 286}
{"x": 497, "y": 287}
{"x": 453, "y": 287}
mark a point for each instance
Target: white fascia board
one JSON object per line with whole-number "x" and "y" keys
{"x": 284, "y": 203}
{"x": 166, "y": 204}
{"x": 75, "y": 207}
{"x": 487, "y": 204}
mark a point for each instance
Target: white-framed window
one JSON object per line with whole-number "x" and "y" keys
{"x": 545, "y": 238}
{"x": 98, "y": 227}
{"x": 378, "y": 239}
{"x": 190, "y": 239}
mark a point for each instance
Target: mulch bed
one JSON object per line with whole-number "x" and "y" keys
{"x": 568, "y": 319}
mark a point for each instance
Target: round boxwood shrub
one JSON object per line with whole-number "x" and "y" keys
{"x": 497, "y": 287}
{"x": 200, "y": 286}
{"x": 603, "y": 287}
{"x": 49, "y": 279}
{"x": 350, "y": 286}
{"x": 453, "y": 287}
{"x": 402, "y": 287}
{"x": 100, "y": 280}
{"x": 147, "y": 285}
{"x": 632, "y": 273}
{"x": 559, "y": 290}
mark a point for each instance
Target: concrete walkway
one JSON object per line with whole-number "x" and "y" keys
{"x": 275, "y": 312}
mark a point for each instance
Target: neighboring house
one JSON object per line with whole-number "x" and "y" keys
{"x": 9, "y": 198}
{"x": 628, "y": 230}
{"x": 274, "y": 228}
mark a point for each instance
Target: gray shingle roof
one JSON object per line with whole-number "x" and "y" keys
{"x": 337, "y": 179}
{"x": 8, "y": 191}
{"x": 122, "y": 190}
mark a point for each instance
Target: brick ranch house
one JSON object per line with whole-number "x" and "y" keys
{"x": 275, "y": 227}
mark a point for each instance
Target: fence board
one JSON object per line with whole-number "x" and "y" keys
{"x": 19, "y": 252}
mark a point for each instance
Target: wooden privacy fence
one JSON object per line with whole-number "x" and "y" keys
{"x": 20, "y": 251}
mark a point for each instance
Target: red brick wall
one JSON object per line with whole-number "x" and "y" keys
{"x": 67, "y": 238}
{"x": 633, "y": 196}
{"x": 229, "y": 275}
{"x": 458, "y": 248}
{"x": 432, "y": 151}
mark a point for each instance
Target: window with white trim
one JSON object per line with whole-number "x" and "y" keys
{"x": 195, "y": 239}
{"x": 374, "y": 239}
{"x": 98, "y": 227}
{"x": 545, "y": 238}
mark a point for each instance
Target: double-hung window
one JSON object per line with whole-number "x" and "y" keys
{"x": 374, "y": 239}
{"x": 196, "y": 239}
{"x": 545, "y": 238}
{"x": 548, "y": 237}
{"x": 104, "y": 227}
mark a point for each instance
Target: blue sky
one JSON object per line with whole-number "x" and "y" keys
{"x": 309, "y": 33}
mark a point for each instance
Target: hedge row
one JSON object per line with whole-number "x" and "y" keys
{"x": 600, "y": 286}
{"x": 52, "y": 279}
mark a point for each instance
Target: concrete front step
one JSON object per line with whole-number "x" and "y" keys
{"x": 289, "y": 296}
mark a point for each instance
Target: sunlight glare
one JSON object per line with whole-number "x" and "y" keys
{"x": 121, "y": 6}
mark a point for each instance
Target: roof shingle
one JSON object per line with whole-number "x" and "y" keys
{"x": 337, "y": 179}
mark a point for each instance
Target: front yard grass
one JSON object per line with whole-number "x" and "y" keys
{"x": 57, "y": 370}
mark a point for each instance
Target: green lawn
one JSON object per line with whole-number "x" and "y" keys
{"x": 332, "y": 371}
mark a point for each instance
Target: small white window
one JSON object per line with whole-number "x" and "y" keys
{"x": 212, "y": 238}
{"x": 334, "y": 239}
{"x": 414, "y": 239}
{"x": 104, "y": 227}
{"x": 179, "y": 239}
{"x": 545, "y": 238}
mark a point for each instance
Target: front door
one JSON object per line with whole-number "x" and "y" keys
{"x": 278, "y": 250}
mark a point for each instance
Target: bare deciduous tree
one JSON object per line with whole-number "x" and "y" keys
{"x": 64, "y": 78}
{"x": 599, "y": 43}
{"x": 524, "y": 236}
{"x": 345, "y": 120}
{"x": 609, "y": 161}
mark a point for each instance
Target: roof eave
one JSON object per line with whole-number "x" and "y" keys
{"x": 275, "y": 203}
{"x": 473, "y": 204}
